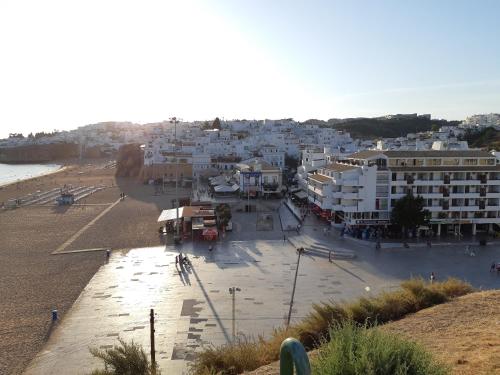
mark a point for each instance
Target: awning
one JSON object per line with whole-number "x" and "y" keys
{"x": 226, "y": 188}
{"x": 171, "y": 214}
{"x": 300, "y": 194}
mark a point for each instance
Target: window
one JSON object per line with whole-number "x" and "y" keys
{"x": 449, "y": 161}
{"x": 486, "y": 161}
{"x": 434, "y": 162}
{"x": 470, "y": 161}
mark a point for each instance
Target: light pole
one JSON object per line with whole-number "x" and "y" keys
{"x": 174, "y": 120}
{"x": 299, "y": 252}
{"x": 233, "y": 291}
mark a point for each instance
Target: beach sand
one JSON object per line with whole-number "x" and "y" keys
{"x": 32, "y": 281}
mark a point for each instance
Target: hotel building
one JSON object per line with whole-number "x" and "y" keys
{"x": 461, "y": 189}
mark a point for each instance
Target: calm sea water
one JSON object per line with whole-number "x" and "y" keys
{"x": 14, "y": 172}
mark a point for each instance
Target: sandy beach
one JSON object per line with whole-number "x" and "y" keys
{"x": 32, "y": 281}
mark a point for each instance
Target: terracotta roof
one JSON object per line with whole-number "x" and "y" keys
{"x": 320, "y": 178}
{"x": 337, "y": 167}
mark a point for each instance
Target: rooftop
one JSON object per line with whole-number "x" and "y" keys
{"x": 337, "y": 167}
{"x": 320, "y": 178}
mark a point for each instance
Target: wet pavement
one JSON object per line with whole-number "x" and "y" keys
{"x": 194, "y": 308}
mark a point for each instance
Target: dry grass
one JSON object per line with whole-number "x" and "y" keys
{"x": 247, "y": 355}
{"x": 464, "y": 333}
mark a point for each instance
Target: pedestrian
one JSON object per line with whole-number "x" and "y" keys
{"x": 284, "y": 239}
{"x": 433, "y": 277}
{"x": 108, "y": 254}
{"x": 330, "y": 256}
{"x": 493, "y": 267}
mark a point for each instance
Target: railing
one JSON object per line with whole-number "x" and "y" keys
{"x": 293, "y": 354}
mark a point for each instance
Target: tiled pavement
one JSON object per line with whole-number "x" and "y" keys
{"x": 193, "y": 307}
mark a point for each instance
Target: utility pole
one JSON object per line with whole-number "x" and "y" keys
{"x": 299, "y": 252}
{"x": 233, "y": 291}
{"x": 152, "y": 332}
{"x": 174, "y": 120}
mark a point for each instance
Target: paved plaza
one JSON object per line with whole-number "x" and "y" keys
{"x": 194, "y": 308}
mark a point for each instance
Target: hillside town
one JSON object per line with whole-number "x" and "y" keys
{"x": 349, "y": 182}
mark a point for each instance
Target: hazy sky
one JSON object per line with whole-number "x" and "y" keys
{"x": 68, "y": 63}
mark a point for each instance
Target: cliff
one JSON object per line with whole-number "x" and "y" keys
{"x": 39, "y": 153}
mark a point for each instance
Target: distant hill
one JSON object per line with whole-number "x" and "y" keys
{"x": 365, "y": 128}
{"x": 488, "y": 138}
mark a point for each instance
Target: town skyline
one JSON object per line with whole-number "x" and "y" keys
{"x": 68, "y": 65}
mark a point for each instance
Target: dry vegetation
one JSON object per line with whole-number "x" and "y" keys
{"x": 464, "y": 333}
{"x": 414, "y": 295}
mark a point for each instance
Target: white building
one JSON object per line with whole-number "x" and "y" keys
{"x": 256, "y": 177}
{"x": 461, "y": 189}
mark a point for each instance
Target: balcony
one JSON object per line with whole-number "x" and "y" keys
{"x": 272, "y": 187}
{"x": 428, "y": 182}
{"x": 350, "y": 208}
{"x": 352, "y": 183}
{"x": 350, "y": 196}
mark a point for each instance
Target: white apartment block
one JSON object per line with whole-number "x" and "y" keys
{"x": 461, "y": 189}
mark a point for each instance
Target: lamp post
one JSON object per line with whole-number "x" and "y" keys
{"x": 175, "y": 120}
{"x": 233, "y": 291}
{"x": 299, "y": 252}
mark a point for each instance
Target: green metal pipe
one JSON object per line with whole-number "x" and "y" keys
{"x": 293, "y": 354}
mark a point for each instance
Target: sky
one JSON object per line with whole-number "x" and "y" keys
{"x": 66, "y": 63}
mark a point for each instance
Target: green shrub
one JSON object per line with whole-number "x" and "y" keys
{"x": 357, "y": 350}
{"x": 124, "y": 359}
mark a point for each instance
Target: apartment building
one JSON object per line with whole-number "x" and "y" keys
{"x": 258, "y": 178}
{"x": 461, "y": 189}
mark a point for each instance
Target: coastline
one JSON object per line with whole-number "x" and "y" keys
{"x": 33, "y": 281}
{"x": 61, "y": 168}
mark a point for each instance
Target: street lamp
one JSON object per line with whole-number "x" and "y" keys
{"x": 175, "y": 120}
{"x": 300, "y": 251}
{"x": 233, "y": 291}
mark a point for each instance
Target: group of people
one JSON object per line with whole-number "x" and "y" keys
{"x": 181, "y": 260}
{"x": 122, "y": 196}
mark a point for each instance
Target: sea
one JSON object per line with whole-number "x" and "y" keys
{"x": 10, "y": 173}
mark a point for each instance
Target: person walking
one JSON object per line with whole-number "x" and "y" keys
{"x": 433, "y": 277}
{"x": 493, "y": 267}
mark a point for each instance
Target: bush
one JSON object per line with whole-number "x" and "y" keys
{"x": 249, "y": 354}
{"x": 124, "y": 359}
{"x": 357, "y": 350}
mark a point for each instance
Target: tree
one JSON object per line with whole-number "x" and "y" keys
{"x": 216, "y": 124}
{"x": 223, "y": 213}
{"x": 408, "y": 212}
{"x": 435, "y": 127}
